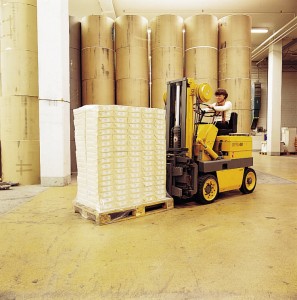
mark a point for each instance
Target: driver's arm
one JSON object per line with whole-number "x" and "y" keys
{"x": 226, "y": 106}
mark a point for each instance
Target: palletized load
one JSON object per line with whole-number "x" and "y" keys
{"x": 121, "y": 156}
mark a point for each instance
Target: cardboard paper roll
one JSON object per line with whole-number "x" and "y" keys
{"x": 97, "y": 63}
{"x": 235, "y": 31}
{"x": 132, "y": 71}
{"x": 29, "y": 2}
{"x": 75, "y": 80}
{"x": 201, "y": 62}
{"x": 133, "y": 92}
{"x": 20, "y": 161}
{"x": 97, "y": 31}
{"x": 201, "y": 53}
{"x": 98, "y": 83}
{"x": 19, "y": 26}
{"x": 98, "y": 91}
{"x": 167, "y": 31}
{"x": 20, "y": 115}
{"x": 131, "y": 31}
{"x": 159, "y": 87}
{"x": 167, "y": 63}
{"x": 19, "y": 73}
{"x": 201, "y": 30}
{"x": 132, "y": 62}
{"x": 235, "y": 62}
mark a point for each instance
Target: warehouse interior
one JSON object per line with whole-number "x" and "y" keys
{"x": 85, "y": 205}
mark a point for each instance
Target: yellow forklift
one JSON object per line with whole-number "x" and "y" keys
{"x": 203, "y": 161}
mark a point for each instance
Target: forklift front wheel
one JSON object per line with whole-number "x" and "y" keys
{"x": 249, "y": 181}
{"x": 208, "y": 189}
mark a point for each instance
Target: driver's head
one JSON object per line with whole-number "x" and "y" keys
{"x": 221, "y": 92}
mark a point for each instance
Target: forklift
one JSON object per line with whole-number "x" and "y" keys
{"x": 202, "y": 160}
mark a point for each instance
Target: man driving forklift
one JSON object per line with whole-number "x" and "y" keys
{"x": 222, "y": 108}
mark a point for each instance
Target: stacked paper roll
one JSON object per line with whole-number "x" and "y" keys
{"x": 97, "y": 60}
{"x": 75, "y": 79}
{"x": 132, "y": 71}
{"x": 167, "y": 54}
{"x": 121, "y": 156}
{"x": 235, "y": 65}
{"x": 201, "y": 49}
{"x": 20, "y": 145}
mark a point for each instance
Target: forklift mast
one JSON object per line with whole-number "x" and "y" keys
{"x": 183, "y": 98}
{"x": 176, "y": 112}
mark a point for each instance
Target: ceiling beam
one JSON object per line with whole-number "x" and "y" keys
{"x": 107, "y": 8}
{"x": 276, "y": 37}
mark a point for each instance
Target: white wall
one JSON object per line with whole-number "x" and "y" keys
{"x": 289, "y": 96}
{"x": 261, "y": 73}
{"x": 289, "y": 100}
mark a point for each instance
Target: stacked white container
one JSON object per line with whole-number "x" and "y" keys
{"x": 121, "y": 156}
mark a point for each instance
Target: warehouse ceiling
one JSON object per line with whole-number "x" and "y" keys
{"x": 279, "y": 17}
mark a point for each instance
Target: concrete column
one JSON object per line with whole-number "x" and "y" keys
{"x": 274, "y": 99}
{"x": 54, "y": 94}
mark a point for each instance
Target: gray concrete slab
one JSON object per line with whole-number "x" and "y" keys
{"x": 17, "y": 195}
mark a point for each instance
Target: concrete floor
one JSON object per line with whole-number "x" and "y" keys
{"x": 240, "y": 247}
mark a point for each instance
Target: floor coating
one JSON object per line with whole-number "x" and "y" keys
{"x": 240, "y": 247}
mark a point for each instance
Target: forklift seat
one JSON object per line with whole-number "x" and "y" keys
{"x": 232, "y": 126}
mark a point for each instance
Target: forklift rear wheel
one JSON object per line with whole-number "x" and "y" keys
{"x": 249, "y": 181}
{"x": 208, "y": 189}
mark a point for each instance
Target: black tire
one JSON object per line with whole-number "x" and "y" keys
{"x": 249, "y": 181}
{"x": 208, "y": 189}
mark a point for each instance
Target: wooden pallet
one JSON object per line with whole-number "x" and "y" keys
{"x": 123, "y": 214}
